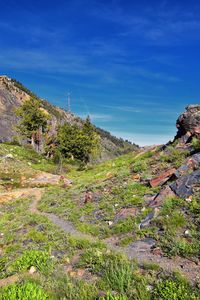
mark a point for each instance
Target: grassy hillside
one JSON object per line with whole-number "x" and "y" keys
{"x": 88, "y": 239}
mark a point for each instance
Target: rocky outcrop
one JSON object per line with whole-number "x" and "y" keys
{"x": 185, "y": 185}
{"x": 185, "y": 181}
{"x": 188, "y": 123}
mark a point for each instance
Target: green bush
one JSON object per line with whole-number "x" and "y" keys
{"x": 173, "y": 290}
{"x": 78, "y": 143}
{"x": 25, "y": 291}
{"x": 39, "y": 259}
{"x": 140, "y": 166}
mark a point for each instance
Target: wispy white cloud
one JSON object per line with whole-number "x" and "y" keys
{"x": 157, "y": 23}
{"x": 98, "y": 117}
{"x": 71, "y": 61}
{"x": 123, "y": 108}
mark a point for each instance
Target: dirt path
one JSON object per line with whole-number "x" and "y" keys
{"x": 139, "y": 250}
{"x": 9, "y": 280}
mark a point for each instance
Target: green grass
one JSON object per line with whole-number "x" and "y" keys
{"x": 174, "y": 288}
{"x": 31, "y": 239}
{"x": 25, "y": 291}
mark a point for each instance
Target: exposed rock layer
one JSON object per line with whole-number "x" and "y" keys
{"x": 188, "y": 123}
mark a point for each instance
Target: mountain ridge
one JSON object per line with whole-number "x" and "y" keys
{"x": 13, "y": 94}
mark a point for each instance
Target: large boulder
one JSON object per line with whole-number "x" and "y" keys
{"x": 184, "y": 186}
{"x": 188, "y": 123}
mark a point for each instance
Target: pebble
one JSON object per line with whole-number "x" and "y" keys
{"x": 32, "y": 270}
{"x": 187, "y": 232}
{"x": 9, "y": 156}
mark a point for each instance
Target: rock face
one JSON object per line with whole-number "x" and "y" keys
{"x": 188, "y": 123}
{"x": 10, "y": 98}
{"x": 13, "y": 94}
{"x": 184, "y": 186}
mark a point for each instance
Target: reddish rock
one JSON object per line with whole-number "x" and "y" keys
{"x": 162, "y": 178}
{"x": 125, "y": 212}
{"x": 88, "y": 197}
{"x": 136, "y": 177}
{"x": 165, "y": 192}
{"x": 157, "y": 251}
{"x": 80, "y": 272}
{"x": 196, "y": 130}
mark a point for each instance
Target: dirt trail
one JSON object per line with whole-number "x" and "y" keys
{"x": 9, "y": 280}
{"x": 140, "y": 250}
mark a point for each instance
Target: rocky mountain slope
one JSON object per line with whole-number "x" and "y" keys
{"x": 12, "y": 95}
{"x": 128, "y": 227}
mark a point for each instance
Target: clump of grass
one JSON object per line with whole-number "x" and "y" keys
{"x": 126, "y": 241}
{"x": 196, "y": 143}
{"x": 66, "y": 288}
{"x": 118, "y": 274}
{"x": 25, "y": 291}
{"x": 151, "y": 266}
{"x": 39, "y": 259}
{"x": 113, "y": 297}
{"x": 173, "y": 156}
{"x": 174, "y": 289}
{"x": 140, "y": 166}
{"x": 124, "y": 226}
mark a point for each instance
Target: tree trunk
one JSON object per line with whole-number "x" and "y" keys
{"x": 40, "y": 141}
{"x": 33, "y": 144}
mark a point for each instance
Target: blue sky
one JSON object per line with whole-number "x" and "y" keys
{"x": 132, "y": 65}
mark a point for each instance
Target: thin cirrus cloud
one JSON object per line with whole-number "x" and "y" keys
{"x": 70, "y": 61}
{"x": 98, "y": 117}
{"x": 159, "y": 24}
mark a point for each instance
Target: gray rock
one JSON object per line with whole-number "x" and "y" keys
{"x": 147, "y": 221}
{"x": 188, "y": 122}
{"x": 183, "y": 187}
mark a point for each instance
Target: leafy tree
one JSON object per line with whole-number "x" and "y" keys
{"x": 33, "y": 122}
{"x": 78, "y": 143}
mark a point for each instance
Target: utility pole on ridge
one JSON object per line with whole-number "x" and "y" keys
{"x": 69, "y": 101}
